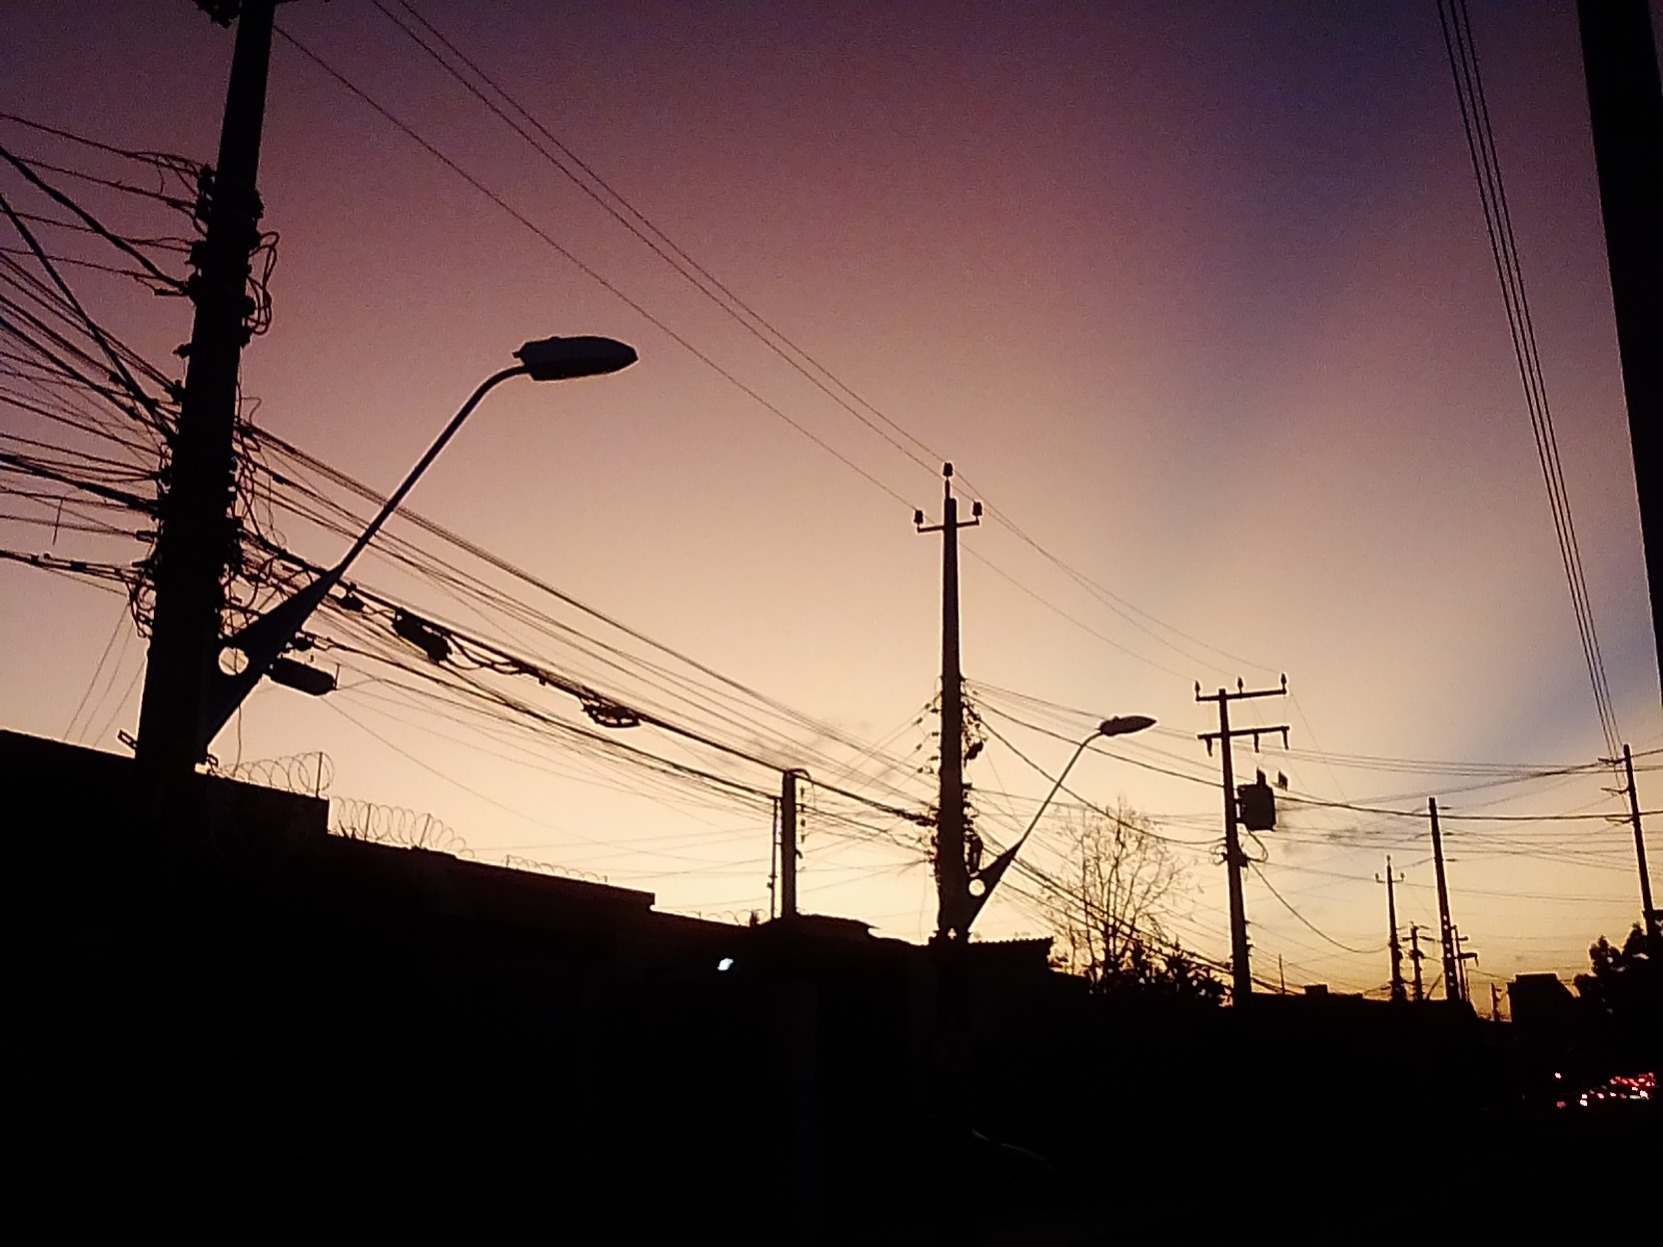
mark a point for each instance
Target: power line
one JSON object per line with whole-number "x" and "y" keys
{"x": 600, "y": 704}
{"x": 1475, "y": 121}
{"x": 549, "y": 240}
{"x": 632, "y": 219}
{"x": 593, "y": 185}
{"x": 1471, "y": 818}
{"x": 1306, "y": 922}
{"x": 387, "y": 541}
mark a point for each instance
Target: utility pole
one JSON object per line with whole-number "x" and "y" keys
{"x": 1416, "y": 957}
{"x": 1398, "y": 994}
{"x": 197, "y": 537}
{"x": 1235, "y": 860}
{"x": 788, "y": 844}
{"x": 1495, "y": 1003}
{"x": 1446, "y": 930}
{"x": 1462, "y": 956}
{"x": 953, "y": 1063}
{"x": 1625, "y": 114}
{"x": 952, "y": 875}
{"x": 774, "y": 865}
{"x": 797, "y": 1009}
{"x": 1648, "y": 912}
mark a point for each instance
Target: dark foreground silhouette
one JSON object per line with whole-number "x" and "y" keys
{"x": 215, "y": 1005}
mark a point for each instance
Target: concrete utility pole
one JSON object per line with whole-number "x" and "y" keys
{"x": 1649, "y": 915}
{"x": 1446, "y": 929}
{"x": 197, "y": 537}
{"x": 788, "y": 844}
{"x": 1398, "y": 993}
{"x": 1415, "y": 958}
{"x": 1235, "y": 860}
{"x": 952, "y": 874}
{"x": 1625, "y": 114}
{"x": 953, "y": 1062}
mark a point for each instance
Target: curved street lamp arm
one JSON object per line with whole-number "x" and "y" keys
{"x": 397, "y": 496}
{"x": 996, "y": 868}
{"x": 1119, "y": 725}
{"x": 1055, "y": 789}
{"x": 265, "y": 639}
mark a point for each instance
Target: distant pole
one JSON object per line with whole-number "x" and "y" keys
{"x": 1647, "y": 910}
{"x": 774, "y": 866}
{"x": 1415, "y": 958}
{"x": 788, "y": 844}
{"x": 1462, "y": 956}
{"x": 1281, "y": 977}
{"x": 1625, "y": 114}
{"x": 1495, "y": 1003}
{"x": 952, "y": 873}
{"x": 1398, "y": 993}
{"x": 196, "y": 539}
{"x": 1452, "y": 967}
{"x": 1235, "y": 861}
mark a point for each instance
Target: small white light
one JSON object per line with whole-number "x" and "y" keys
{"x": 725, "y": 964}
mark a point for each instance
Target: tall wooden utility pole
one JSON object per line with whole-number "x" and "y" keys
{"x": 1398, "y": 994}
{"x": 197, "y": 538}
{"x": 1446, "y": 929}
{"x": 1415, "y": 958}
{"x": 952, "y": 874}
{"x": 1235, "y": 860}
{"x": 1625, "y": 114}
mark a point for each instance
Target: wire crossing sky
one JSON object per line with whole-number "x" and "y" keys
{"x": 1204, "y": 300}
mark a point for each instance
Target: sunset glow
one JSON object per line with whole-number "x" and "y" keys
{"x": 1198, "y": 300}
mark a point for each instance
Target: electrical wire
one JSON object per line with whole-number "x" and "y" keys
{"x": 1475, "y": 121}
{"x": 488, "y": 92}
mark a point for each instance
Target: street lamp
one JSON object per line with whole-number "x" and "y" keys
{"x": 263, "y": 641}
{"x": 1119, "y": 725}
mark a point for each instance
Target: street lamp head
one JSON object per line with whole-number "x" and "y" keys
{"x": 1124, "y": 724}
{"x": 263, "y": 641}
{"x": 560, "y": 359}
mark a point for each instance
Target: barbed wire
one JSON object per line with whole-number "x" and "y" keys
{"x": 309, "y": 774}
{"x": 353, "y": 819}
{"x": 532, "y": 865}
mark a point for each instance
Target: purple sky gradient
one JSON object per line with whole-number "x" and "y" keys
{"x": 1199, "y": 295}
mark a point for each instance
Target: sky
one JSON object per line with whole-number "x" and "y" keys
{"x": 1197, "y": 299}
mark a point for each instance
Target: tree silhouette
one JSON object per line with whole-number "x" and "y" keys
{"x": 1624, "y": 994}
{"x": 1118, "y": 872}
